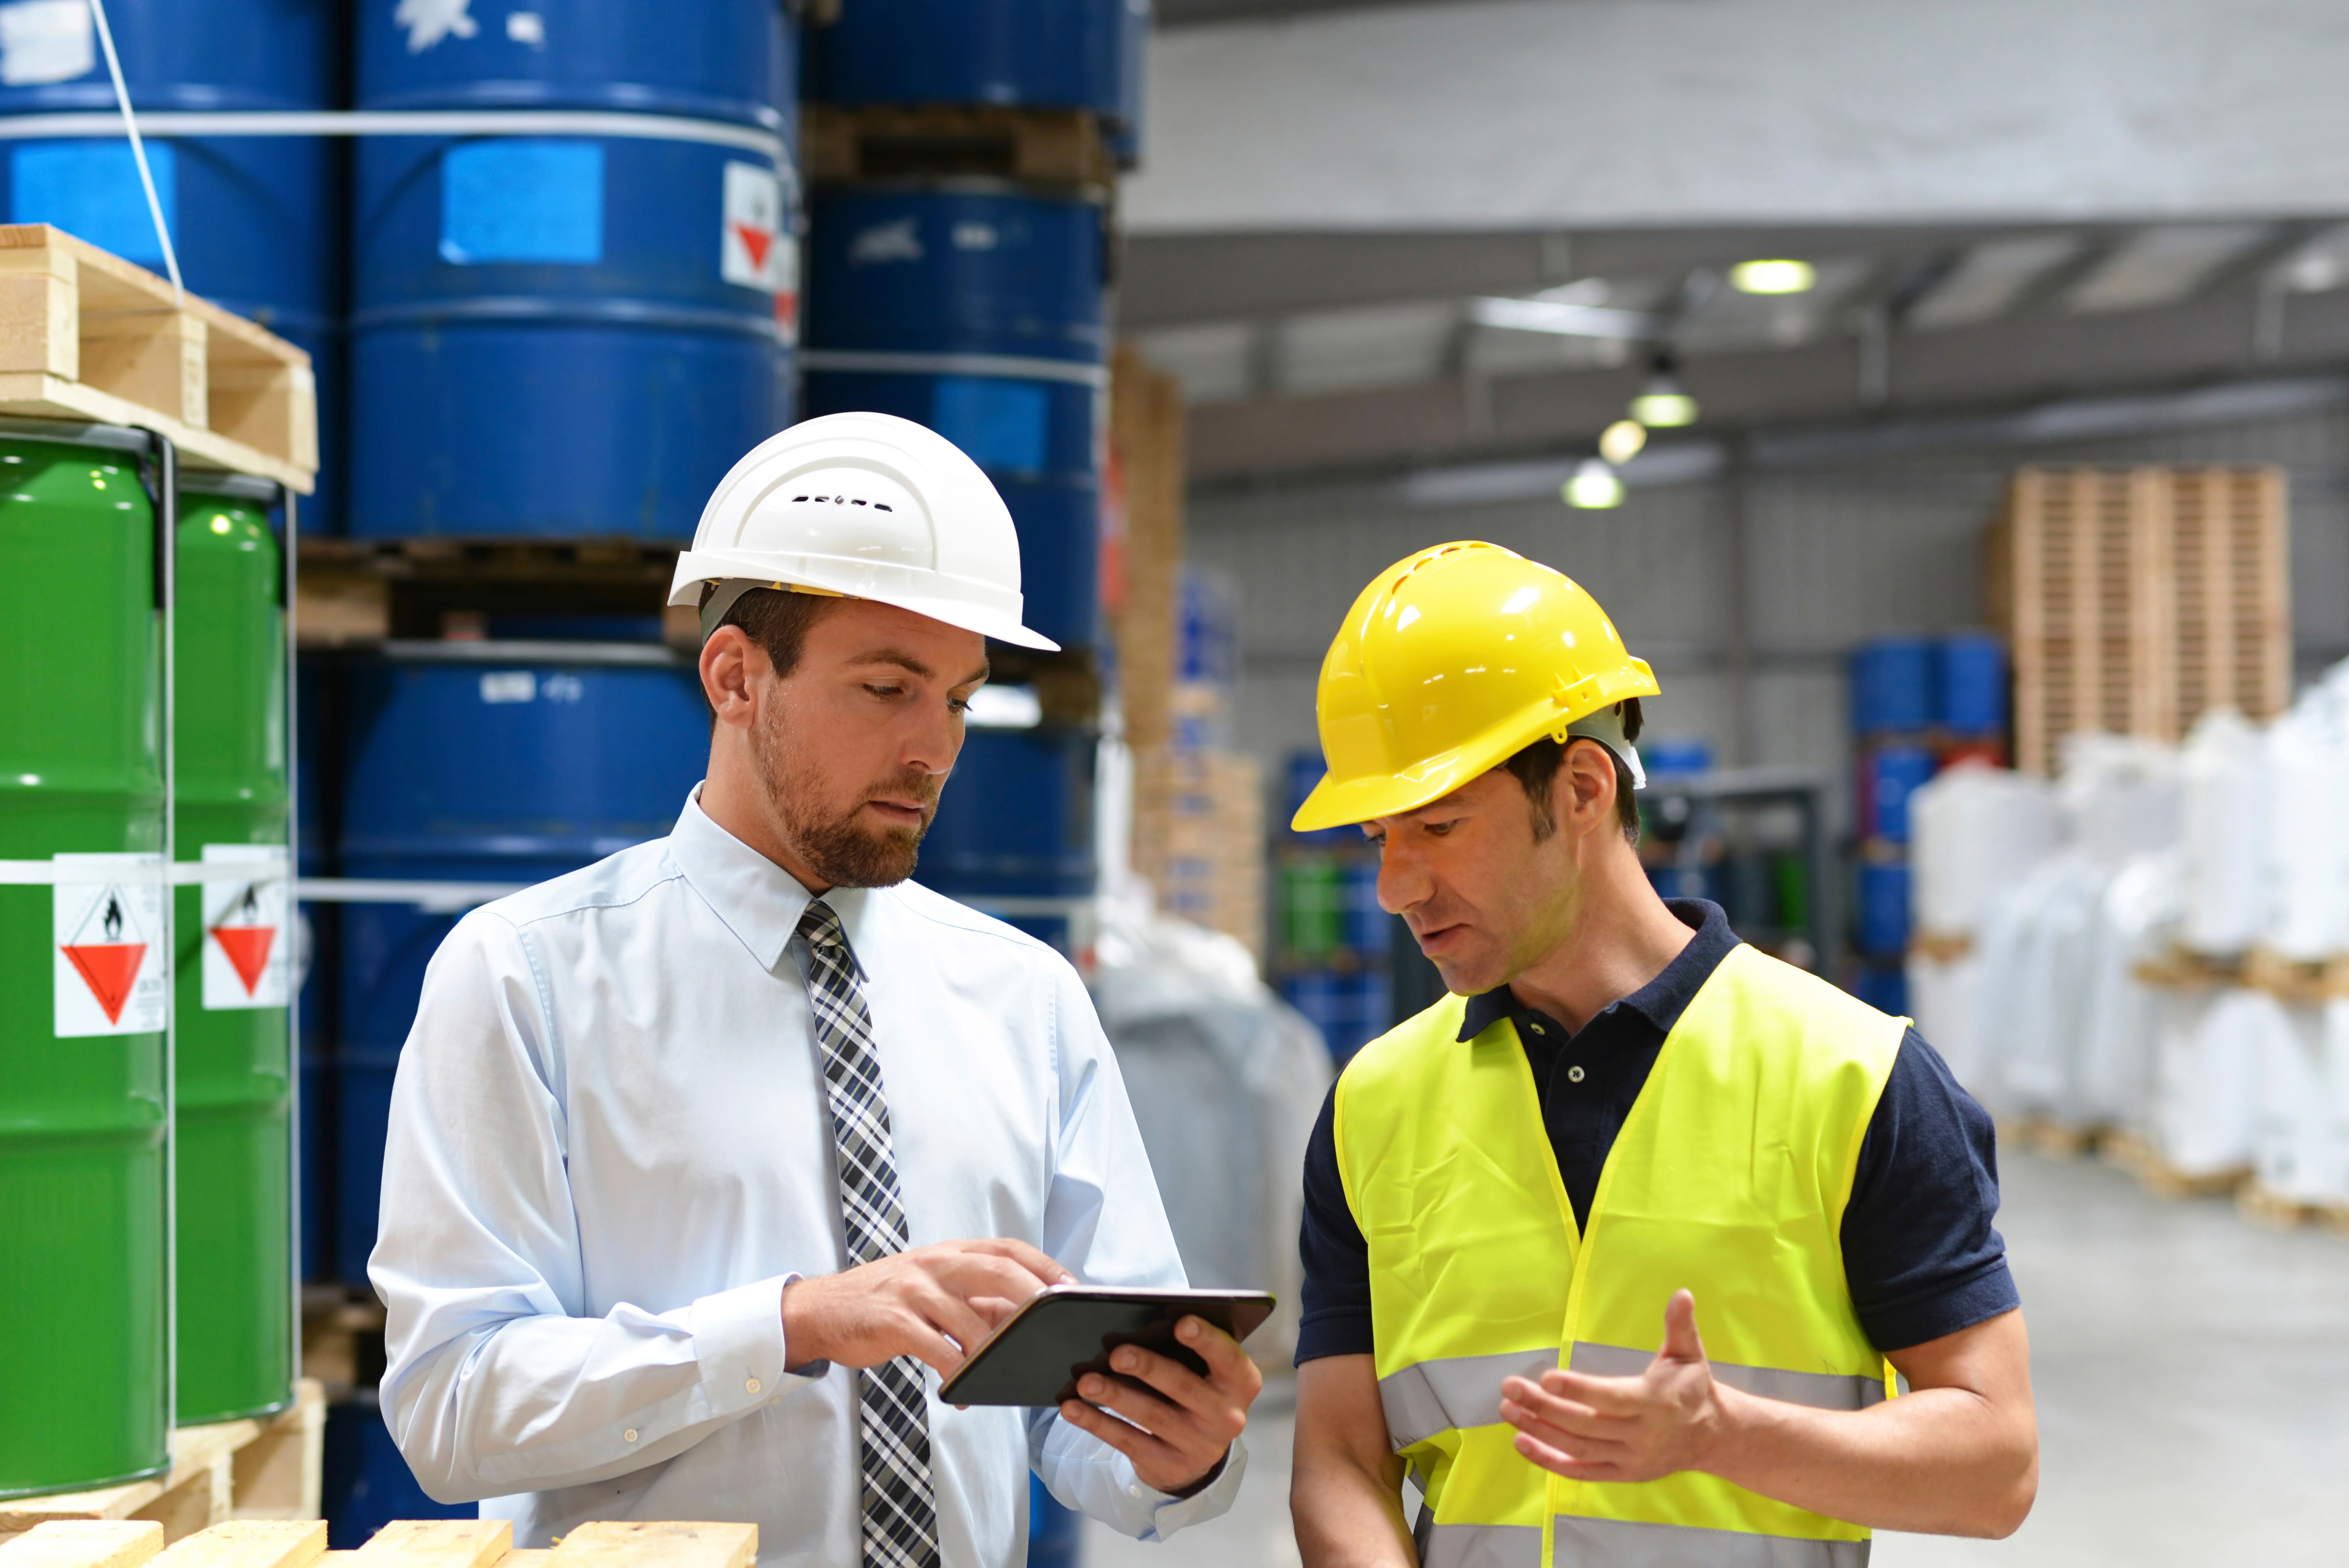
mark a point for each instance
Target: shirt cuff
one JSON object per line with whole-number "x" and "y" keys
{"x": 738, "y": 1339}
{"x": 1169, "y": 1513}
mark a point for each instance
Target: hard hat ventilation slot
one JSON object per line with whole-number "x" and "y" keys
{"x": 844, "y": 500}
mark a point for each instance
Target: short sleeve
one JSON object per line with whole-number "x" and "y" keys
{"x": 1335, "y": 1298}
{"x": 1920, "y": 1251}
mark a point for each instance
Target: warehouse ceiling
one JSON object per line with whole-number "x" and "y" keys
{"x": 1352, "y": 351}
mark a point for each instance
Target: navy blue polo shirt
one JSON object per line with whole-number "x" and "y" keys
{"x": 1918, "y": 1249}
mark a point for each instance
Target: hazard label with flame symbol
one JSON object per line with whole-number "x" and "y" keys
{"x": 247, "y": 954}
{"x": 755, "y": 247}
{"x": 107, "y": 972}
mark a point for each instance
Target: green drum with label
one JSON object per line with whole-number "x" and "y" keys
{"x": 84, "y": 1374}
{"x": 234, "y": 1054}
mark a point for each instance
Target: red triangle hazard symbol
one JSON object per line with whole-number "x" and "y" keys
{"x": 247, "y": 947}
{"x": 756, "y": 241}
{"x": 109, "y": 968}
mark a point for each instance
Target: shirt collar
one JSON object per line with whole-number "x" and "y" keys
{"x": 759, "y": 902}
{"x": 1661, "y": 1001}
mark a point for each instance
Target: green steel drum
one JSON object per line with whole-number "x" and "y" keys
{"x": 84, "y": 1383}
{"x": 232, "y": 1057}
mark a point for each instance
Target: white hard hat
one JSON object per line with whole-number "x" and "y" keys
{"x": 866, "y": 505}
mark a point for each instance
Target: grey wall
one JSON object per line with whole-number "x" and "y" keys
{"x": 1833, "y": 556}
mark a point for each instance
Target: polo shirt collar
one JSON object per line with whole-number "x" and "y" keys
{"x": 758, "y": 901}
{"x": 1661, "y": 1001}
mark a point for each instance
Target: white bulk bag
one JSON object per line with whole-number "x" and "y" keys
{"x": 2033, "y": 984}
{"x": 2297, "y": 1135}
{"x": 1942, "y": 992}
{"x": 2307, "y": 834}
{"x": 2226, "y": 834}
{"x": 1974, "y": 830}
{"x": 2136, "y": 921}
{"x": 2207, "y": 1080}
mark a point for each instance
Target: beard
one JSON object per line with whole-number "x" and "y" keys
{"x": 838, "y": 846}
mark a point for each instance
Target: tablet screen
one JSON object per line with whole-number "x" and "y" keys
{"x": 1035, "y": 1358}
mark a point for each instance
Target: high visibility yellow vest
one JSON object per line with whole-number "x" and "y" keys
{"x": 1729, "y": 1178}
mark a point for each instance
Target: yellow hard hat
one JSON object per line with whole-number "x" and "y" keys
{"x": 1450, "y": 663}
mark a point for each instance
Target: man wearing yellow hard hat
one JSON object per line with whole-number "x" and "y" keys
{"x": 1615, "y": 1250}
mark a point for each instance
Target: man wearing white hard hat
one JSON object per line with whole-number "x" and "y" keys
{"x": 705, "y": 1159}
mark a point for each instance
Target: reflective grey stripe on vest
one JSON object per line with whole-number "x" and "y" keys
{"x": 1484, "y": 1546}
{"x": 1819, "y": 1390}
{"x": 1615, "y": 1543}
{"x": 1465, "y": 1390}
{"x": 1618, "y": 1544}
{"x": 1458, "y": 1391}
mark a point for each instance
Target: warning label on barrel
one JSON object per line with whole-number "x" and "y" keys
{"x": 755, "y": 247}
{"x": 109, "y": 965}
{"x": 246, "y": 953}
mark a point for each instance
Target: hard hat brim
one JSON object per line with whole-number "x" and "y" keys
{"x": 695, "y": 568}
{"x": 1333, "y": 804}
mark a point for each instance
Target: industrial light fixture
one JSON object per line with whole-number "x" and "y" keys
{"x": 1663, "y": 404}
{"x": 1619, "y": 442}
{"x": 1773, "y": 277}
{"x": 1594, "y": 486}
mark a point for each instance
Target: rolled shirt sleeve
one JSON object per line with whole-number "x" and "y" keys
{"x": 1104, "y": 1223}
{"x": 496, "y": 1382}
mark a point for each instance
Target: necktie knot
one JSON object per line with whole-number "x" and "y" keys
{"x": 820, "y": 925}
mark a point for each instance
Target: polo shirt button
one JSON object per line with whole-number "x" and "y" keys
{"x": 752, "y": 1385}
{"x": 1537, "y": 1028}
{"x": 1574, "y": 1073}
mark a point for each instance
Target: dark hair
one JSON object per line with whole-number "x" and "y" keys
{"x": 1535, "y": 768}
{"x": 777, "y": 620}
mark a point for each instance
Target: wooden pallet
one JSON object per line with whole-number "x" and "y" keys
{"x": 352, "y": 591}
{"x": 2232, "y": 592}
{"x": 2135, "y": 600}
{"x": 86, "y": 336}
{"x": 250, "y": 1469}
{"x": 2265, "y": 1207}
{"x": 2179, "y": 969}
{"x": 408, "y": 1544}
{"x": 1941, "y": 946}
{"x": 1049, "y": 149}
{"x": 2128, "y": 1151}
{"x": 2046, "y": 1135}
{"x": 2307, "y": 984}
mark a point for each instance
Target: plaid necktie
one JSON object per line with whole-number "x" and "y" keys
{"x": 901, "y": 1522}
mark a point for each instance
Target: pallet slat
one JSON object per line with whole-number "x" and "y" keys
{"x": 437, "y": 1543}
{"x": 615, "y": 1543}
{"x": 1051, "y": 149}
{"x": 251, "y": 1543}
{"x": 85, "y": 335}
{"x": 84, "y": 1544}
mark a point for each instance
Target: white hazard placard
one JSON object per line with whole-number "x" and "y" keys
{"x": 756, "y": 248}
{"x": 109, "y": 963}
{"x": 248, "y": 952}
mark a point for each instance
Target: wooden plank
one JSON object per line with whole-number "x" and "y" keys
{"x": 39, "y": 397}
{"x": 438, "y": 1543}
{"x": 280, "y": 1474}
{"x": 622, "y": 1543}
{"x": 1041, "y": 148}
{"x": 251, "y": 1543}
{"x": 83, "y": 1543}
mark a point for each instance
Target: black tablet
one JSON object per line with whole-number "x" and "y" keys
{"x": 1037, "y": 1354}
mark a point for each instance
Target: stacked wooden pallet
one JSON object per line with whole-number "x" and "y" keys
{"x": 2135, "y": 600}
{"x": 1042, "y": 148}
{"x": 250, "y": 1469}
{"x": 408, "y": 1544}
{"x": 88, "y": 336}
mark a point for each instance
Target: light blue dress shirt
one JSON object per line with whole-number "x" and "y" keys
{"x": 610, "y": 1149}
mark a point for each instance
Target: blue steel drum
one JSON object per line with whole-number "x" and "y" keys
{"x": 1349, "y": 1009}
{"x": 1032, "y": 53}
{"x": 1894, "y": 686}
{"x": 1054, "y": 1533}
{"x": 316, "y": 929}
{"x": 1883, "y": 987}
{"x": 1974, "y": 685}
{"x": 989, "y": 303}
{"x": 568, "y": 335}
{"x": 1890, "y": 774}
{"x": 1015, "y": 818}
{"x": 366, "y": 1484}
{"x": 1883, "y": 920}
{"x": 484, "y": 763}
{"x": 256, "y": 221}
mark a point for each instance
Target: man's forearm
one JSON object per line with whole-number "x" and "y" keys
{"x": 1941, "y": 1461}
{"x": 1347, "y": 1519}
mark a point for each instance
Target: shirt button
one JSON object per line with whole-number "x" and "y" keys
{"x": 629, "y": 1436}
{"x": 752, "y": 1385}
{"x": 1537, "y": 1028}
{"x": 1574, "y": 1073}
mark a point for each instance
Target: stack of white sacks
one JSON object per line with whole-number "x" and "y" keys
{"x": 2036, "y": 904}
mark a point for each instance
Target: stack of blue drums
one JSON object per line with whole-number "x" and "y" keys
{"x": 255, "y": 221}
{"x": 978, "y": 308}
{"x": 565, "y": 331}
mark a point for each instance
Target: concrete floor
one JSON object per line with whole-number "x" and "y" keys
{"x": 2193, "y": 1383}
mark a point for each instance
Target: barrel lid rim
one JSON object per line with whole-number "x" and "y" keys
{"x": 73, "y": 433}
